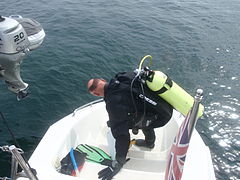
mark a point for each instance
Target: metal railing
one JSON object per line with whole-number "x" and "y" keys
{"x": 86, "y": 105}
{"x": 17, "y": 159}
{"x": 194, "y": 112}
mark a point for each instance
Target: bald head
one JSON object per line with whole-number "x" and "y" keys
{"x": 96, "y": 86}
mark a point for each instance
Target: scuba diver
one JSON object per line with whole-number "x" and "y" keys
{"x": 130, "y": 105}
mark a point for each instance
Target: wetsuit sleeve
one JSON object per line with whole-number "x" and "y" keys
{"x": 120, "y": 131}
{"x": 121, "y": 146}
{"x": 121, "y": 134}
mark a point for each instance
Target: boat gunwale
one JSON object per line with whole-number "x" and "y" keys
{"x": 87, "y": 105}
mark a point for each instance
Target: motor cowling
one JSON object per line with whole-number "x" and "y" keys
{"x": 13, "y": 37}
{"x": 170, "y": 91}
{"x": 17, "y": 36}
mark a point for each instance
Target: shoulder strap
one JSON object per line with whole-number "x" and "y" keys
{"x": 124, "y": 76}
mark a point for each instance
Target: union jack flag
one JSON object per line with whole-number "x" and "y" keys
{"x": 178, "y": 152}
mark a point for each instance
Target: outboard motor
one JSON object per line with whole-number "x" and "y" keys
{"x": 17, "y": 36}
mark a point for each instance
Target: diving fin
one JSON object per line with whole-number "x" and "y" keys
{"x": 95, "y": 154}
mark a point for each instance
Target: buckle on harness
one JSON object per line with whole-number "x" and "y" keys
{"x": 168, "y": 84}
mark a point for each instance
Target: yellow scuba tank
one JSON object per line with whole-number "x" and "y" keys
{"x": 172, "y": 93}
{"x": 167, "y": 89}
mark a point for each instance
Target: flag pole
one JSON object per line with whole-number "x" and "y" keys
{"x": 181, "y": 142}
{"x": 194, "y": 111}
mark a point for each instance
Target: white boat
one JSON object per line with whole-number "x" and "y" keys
{"x": 87, "y": 125}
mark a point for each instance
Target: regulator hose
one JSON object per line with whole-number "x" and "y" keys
{"x": 142, "y": 61}
{"x": 135, "y": 128}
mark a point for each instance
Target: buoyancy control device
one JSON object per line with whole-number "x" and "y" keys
{"x": 167, "y": 89}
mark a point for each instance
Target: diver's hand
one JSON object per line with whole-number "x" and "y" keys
{"x": 110, "y": 171}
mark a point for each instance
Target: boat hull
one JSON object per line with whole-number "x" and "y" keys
{"x": 88, "y": 126}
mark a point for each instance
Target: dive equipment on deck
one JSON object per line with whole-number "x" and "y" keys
{"x": 95, "y": 154}
{"x": 75, "y": 166}
{"x": 72, "y": 163}
{"x": 167, "y": 89}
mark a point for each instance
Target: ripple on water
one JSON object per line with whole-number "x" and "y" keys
{"x": 225, "y": 132}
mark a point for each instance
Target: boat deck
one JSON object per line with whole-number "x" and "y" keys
{"x": 88, "y": 126}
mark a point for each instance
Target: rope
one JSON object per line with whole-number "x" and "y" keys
{"x": 9, "y": 129}
{"x": 16, "y": 143}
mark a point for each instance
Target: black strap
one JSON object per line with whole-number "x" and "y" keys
{"x": 164, "y": 89}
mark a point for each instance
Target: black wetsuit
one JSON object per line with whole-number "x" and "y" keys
{"x": 126, "y": 108}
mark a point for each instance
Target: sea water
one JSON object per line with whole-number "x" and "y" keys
{"x": 195, "y": 42}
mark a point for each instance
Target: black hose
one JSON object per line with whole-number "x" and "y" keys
{"x": 133, "y": 100}
{"x": 135, "y": 124}
{"x": 9, "y": 129}
{"x": 16, "y": 143}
